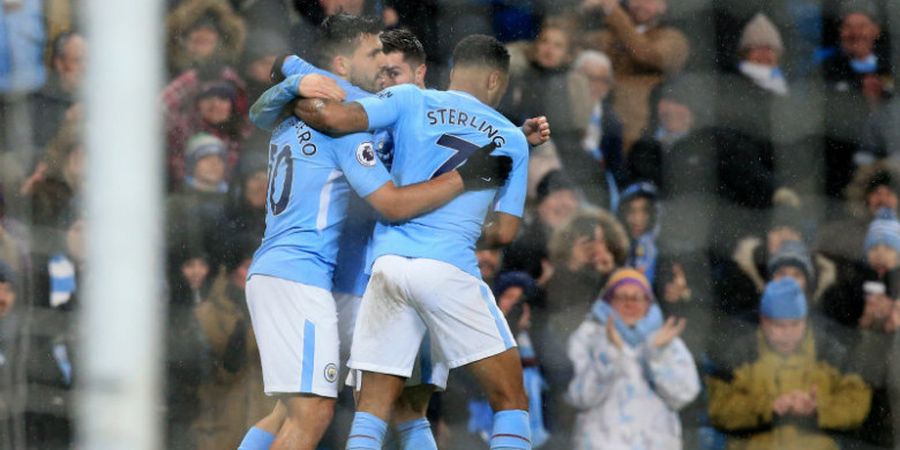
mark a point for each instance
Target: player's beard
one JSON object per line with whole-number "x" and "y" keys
{"x": 365, "y": 83}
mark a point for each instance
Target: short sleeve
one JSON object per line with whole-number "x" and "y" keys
{"x": 294, "y": 65}
{"x": 356, "y": 157}
{"x": 511, "y": 198}
{"x": 384, "y": 109}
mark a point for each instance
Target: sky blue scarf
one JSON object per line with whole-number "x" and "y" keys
{"x": 635, "y": 335}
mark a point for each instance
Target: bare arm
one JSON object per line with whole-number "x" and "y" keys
{"x": 502, "y": 230}
{"x": 332, "y": 117}
{"x": 400, "y": 203}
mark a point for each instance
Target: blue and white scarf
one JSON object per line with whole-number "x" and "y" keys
{"x": 635, "y": 335}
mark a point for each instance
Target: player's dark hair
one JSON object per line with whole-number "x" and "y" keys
{"x": 481, "y": 50}
{"x": 340, "y": 34}
{"x": 404, "y": 41}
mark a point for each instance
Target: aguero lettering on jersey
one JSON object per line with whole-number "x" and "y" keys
{"x": 303, "y": 133}
{"x": 450, "y": 116}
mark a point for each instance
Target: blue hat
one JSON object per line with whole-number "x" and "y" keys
{"x": 510, "y": 279}
{"x": 884, "y": 230}
{"x": 783, "y": 299}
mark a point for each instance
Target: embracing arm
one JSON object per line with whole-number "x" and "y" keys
{"x": 502, "y": 230}
{"x": 332, "y": 117}
{"x": 401, "y": 203}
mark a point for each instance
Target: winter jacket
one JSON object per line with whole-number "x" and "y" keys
{"x": 231, "y": 27}
{"x": 744, "y": 387}
{"x": 628, "y": 398}
{"x": 642, "y": 61}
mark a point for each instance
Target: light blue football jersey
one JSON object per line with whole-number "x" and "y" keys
{"x": 434, "y": 132}
{"x": 354, "y": 243}
{"x": 310, "y": 181}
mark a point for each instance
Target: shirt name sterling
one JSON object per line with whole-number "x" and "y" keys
{"x": 449, "y": 116}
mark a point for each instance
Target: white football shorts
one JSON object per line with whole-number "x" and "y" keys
{"x": 296, "y": 327}
{"x": 407, "y": 297}
{"x": 435, "y": 372}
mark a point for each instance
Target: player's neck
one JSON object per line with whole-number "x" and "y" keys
{"x": 472, "y": 89}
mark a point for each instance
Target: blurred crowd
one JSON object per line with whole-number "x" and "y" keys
{"x": 710, "y": 257}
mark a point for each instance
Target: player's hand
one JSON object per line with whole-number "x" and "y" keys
{"x": 484, "y": 171}
{"x": 537, "y": 130}
{"x": 320, "y": 86}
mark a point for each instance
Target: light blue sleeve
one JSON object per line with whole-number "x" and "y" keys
{"x": 385, "y": 109}
{"x": 356, "y": 157}
{"x": 511, "y": 198}
{"x": 265, "y": 111}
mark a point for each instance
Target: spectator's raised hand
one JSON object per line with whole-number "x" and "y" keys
{"x": 877, "y": 311}
{"x": 669, "y": 331}
{"x": 893, "y": 322}
{"x": 677, "y": 288}
{"x": 320, "y": 86}
{"x": 537, "y": 130}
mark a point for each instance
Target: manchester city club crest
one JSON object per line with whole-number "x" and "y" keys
{"x": 331, "y": 373}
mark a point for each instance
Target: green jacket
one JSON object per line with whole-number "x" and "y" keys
{"x": 744, "y": 390}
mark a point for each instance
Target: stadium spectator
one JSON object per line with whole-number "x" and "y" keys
{"x": 644, "y": 52}
{"x": 214, "y": 110}
{"x": 877, "y": 356}
{"x": 53, "y": 344}
{"x": 232, "y": 400}
{"x": 15, "y": 240}
{"x": 632, "y": 372}
{"x": 656, "y": 155}
{"x": 188, "y": 362}
{"x": 857, "y": 81}
{"x": 874, "y": 186}
{"x": 782, "y": 386}
{"x": 11, "y": 351}
{"x": 743, "y": 135}
{"x": 557, "y": 202}
{"x": 193, "y": 212}
{"x": 603, "y": 134}
{"x": 245, "y": 207}
{"x": 22, "y": 35}
{"x": 205, "y": 35}
{"x": 757, "y": 259}
{"x": 53, "y": 102}
{"x": 582, "y": 253}
{"x": 56, "y": 194}
{"x": 864, "y": 296}
{"x": 639, "y": 212}
{"x": 548, "y": 86}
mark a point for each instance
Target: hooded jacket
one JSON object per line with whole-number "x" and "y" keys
{"x": 230, "y": 26}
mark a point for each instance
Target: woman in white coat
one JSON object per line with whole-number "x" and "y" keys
{"x": 632, "y": 372}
